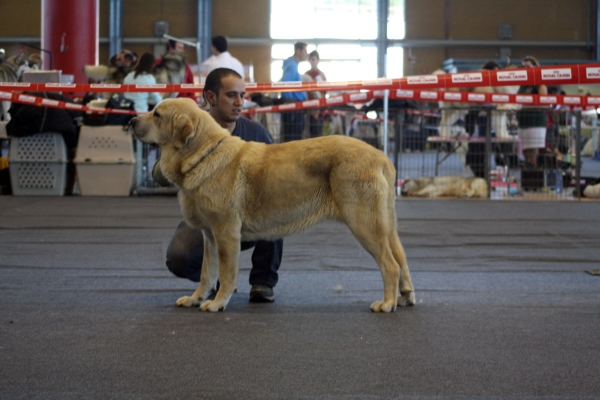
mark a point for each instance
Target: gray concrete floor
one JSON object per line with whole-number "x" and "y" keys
{"x": 505, "y": 308}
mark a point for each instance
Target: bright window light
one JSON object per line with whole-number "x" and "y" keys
{"x": 291, "y": 19}
{"x": 336, "y": 19}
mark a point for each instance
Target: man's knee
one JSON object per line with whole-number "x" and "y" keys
{"x": 180, "y": 265}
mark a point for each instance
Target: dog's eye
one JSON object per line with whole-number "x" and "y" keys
{"x": 157, "y": 115}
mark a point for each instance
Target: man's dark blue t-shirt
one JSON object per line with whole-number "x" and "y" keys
{"x": 251, "y": 131}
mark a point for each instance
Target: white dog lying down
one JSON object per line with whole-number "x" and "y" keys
{"x": 446, "y": 186}
{"x": 235, "y": 190}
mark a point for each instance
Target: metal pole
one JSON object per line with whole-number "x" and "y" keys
{"x": 382, "y": 42}
{"x": 204, "y": 30}
{"x": 398, "y": 122}
{"x": 578, "y": 154}
{"x": 115, "y": 24}
{"x": 597, "y": 30}
{"x": 488, "y": 145}
{"x": 386, "y": 97}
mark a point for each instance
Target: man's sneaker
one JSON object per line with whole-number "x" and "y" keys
{"x": 261, "y": 294}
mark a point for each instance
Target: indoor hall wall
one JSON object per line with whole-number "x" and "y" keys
{"x": 20, "y": 18}
{"x": 246, "y": 19}
{"x": 232, "y": 18}
{"x": 558, "y": 20}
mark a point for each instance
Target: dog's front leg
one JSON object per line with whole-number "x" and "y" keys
{"x": 208, "y": 275}
{"x": 228, "y": 247}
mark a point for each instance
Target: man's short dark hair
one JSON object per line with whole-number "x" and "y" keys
{"x": 214, "y": 80}
{"x": 299, "y": 46}
{"x": 219, "y": 43}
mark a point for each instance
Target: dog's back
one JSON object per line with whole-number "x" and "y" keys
{"x": 291, "y": 186}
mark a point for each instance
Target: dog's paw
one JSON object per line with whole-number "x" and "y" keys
{"x": 212, "y": 306}
{"x": 383, "y": 306}
{"x": 186, "y": 301}
{"x": 406, "y": 299}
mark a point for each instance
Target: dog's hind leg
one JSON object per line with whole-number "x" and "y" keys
{"x": 227, "y": 238}
{"x": 407, "y": 293}
{"x": 208, "y": 275}
{"x": 370, "y": 229}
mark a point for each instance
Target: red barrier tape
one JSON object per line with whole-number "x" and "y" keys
{"x": 575, "y": 102}
{"x": 41, "y": 101}
{"x": 578, "y": 74}
{"x": 582, "y": 102}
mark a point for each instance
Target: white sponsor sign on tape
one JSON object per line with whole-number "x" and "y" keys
{"x": 476, "y": 97}
{"x": 593, "y": 100}
{"x": 500, "y": 98}
{"x": 105, "y": 86}
{"x": 572, "y": 100}
{"x": 511, "y": 76}
{"x": 548, "y": 99}
{"x": 452, "y": 96}
{"x": 407, "y": 94}
{"x": 358, "y": 96}
{"x": 429, "y": 95}
{"x": 524, "y": 99}
{"x": 556, "y": 74}
{"x": 26, "y": 99}
{"x": 335, "y": 100}
{"x": 49, "y": 102}
{"x": 310, "y": 103}
{"x": 592, "y": 72}
{"x": 422, "y": 80}
{"x": 194, "y": 86}
{"x": 467, "y": 78}
{"x": 286, "y": 84}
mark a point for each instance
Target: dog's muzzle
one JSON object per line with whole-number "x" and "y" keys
{"x": 133, "y": 124}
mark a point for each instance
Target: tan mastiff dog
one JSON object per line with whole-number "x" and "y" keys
{"x": 446, "y": 186}
{"x": 241, "y": 191}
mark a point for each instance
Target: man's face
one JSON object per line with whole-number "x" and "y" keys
{"x": 230, "y": 100}
{"x": 303, "y": 54}
{"x": 527, "y": 64}
{"x": 179, "y": 47}
{"x": 314, "y": 61}
{"x": 122, "y": 61}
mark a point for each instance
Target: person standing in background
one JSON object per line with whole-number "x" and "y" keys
{"x": 314, "y": 72}
{"x": 221, "y": 58}
{"x": 142, "y": 75}
{"x": 175, "y": 69}
{"x": 293, "y": 121}
{"x": 532, "y": 123}
{"x": 316, "y": 75}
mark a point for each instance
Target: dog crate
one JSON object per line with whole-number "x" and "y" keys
{"x": 105, "y": 161}
{"x": 38, "y": 165}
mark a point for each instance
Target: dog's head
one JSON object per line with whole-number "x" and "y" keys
{"x": 14, "y": 62}
{"x": 172, "y": 122}
{"x": 408, "y": 187}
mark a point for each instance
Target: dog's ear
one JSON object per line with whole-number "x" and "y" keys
{"x": 183, "y": 130}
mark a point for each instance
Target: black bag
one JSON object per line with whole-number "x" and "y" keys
{"x": 116, "y": 101}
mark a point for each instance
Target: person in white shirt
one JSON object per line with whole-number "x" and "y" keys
{"x": 142, "y": 75}
{"x": 221, "y": 58}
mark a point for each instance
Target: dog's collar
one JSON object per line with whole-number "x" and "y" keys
{"x": 208, "y": 153}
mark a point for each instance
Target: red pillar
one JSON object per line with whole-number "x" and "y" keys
{"x": 70, "y": 32}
